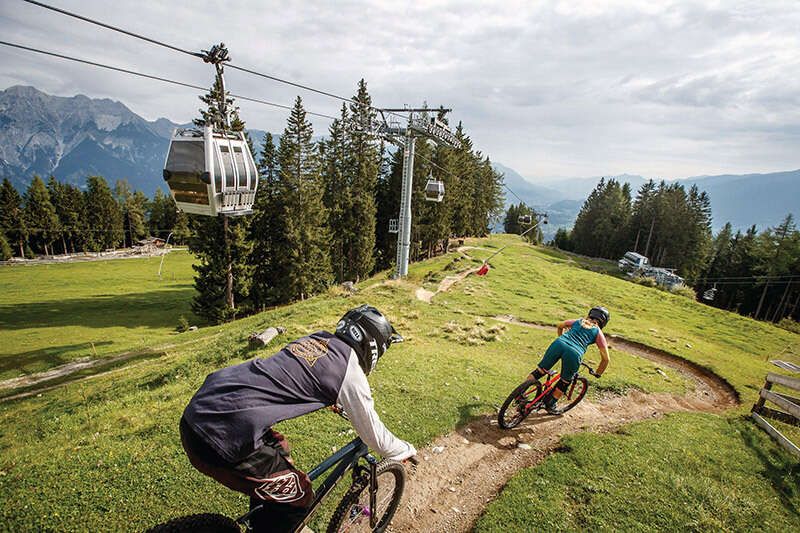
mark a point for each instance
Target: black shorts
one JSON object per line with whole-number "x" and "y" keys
{"x": 267, "y": 475}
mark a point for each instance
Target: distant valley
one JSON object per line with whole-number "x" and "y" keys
{"x": 742, "y": 200}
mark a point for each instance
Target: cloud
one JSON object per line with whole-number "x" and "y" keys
{"x": 559, "y": 88}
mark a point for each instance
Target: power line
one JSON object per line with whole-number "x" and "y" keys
{"x": 114, "y": 28}
{"x": 152, "y": 77}
{"x": 203, "y": 56}
{"x": 229, "y": 65}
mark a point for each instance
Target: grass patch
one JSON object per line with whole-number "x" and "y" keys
{"x": 56, "y": 313}
{"x": 103, "y": 454}
{"x": 688, "y": 472}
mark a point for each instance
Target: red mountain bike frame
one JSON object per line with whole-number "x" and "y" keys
{"x": 549, "y": 385}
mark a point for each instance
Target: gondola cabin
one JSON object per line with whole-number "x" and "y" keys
{"x": 434, "y": 190}
{"x": 211, "y": 172}
{"x": 524, "y": 219}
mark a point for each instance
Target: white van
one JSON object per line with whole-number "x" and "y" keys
{"x": 632, "y": 262}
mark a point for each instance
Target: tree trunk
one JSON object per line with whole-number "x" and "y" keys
{"x": 778, "y": 309}
{"x": 64, "y": 243}
{"x": 21, "y": 249}
{"x": 761, "y": 301}
{"x": 649, "y": 236}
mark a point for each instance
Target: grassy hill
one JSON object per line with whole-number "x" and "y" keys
{"x": 103, "y": 453}
{"x": 51, "y": 314}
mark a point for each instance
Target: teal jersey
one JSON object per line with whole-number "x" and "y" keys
{"x": 578, "y": 337}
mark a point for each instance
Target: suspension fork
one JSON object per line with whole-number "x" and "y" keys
{"x": 373, "y": 490}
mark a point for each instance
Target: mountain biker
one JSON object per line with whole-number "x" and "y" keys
{"x": 227, "y": 428}
{"x": 570, "y": 347}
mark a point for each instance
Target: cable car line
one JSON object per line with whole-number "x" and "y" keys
{"x": 114, "y": 28}
{"x": 203, "y": 56}
{"x": 153, "y": 77}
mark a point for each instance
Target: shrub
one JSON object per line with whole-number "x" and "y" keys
{"x": 688, "y": 292}
{"x": 789, "y": 325}
{"x": 183, "y": 324}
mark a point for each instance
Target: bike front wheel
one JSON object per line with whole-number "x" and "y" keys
{"x": 575, "y": 394}
{"x": 513, "y": 410}
{"x": 354, "y": 511}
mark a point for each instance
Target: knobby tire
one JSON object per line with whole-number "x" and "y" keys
{"x": 581, "y": 386}
{"x": 514, "y": 402}
{"x": 350, "y": 501}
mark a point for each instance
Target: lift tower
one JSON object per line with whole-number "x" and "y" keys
{"x": 419, "y": 123}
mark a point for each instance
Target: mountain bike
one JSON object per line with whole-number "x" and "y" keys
{"x": 368, "y": 505}
{"x": 529, "y": 397}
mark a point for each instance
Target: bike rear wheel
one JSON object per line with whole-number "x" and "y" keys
{"x": 576, "y": 394}
{"x": 513, "y": 410}
{"x": 354, "y": 512}
{"x": 198, "y": 523}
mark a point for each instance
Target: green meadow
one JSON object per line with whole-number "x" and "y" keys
{"x": 104, "y": 454}
{"x": 55, "y": 313}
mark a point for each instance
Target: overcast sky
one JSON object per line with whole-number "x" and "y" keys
{"x": 574, "y": 88}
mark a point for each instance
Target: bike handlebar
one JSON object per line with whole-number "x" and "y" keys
{"x": 591, "y": 370}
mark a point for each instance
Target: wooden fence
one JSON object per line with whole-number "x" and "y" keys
{"x": 789, "y": 404}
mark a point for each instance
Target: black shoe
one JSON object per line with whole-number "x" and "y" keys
{"x": 551, "y": 406}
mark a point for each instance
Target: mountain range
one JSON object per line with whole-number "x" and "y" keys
{"x": 74, "y": 137}
{"x": 742, "y": 200}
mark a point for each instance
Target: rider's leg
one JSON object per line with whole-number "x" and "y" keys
{"x": 266, "y": 475}
{"x": 550, "y": 358}
{"x": 284, "y": 492}
{"x": 570, "y": 362}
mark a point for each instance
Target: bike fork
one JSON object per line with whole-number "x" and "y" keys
{"x": 373, "y": 490}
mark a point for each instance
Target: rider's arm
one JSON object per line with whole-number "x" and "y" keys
{"x": 602, "y": 345}
{"x": 355, "y": 397}
{"x": 564, "y": 325}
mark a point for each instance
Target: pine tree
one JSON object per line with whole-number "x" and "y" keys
{"x": 182, "y": 231}
{"x": 221, "y": 243}
{"x": 133, "y": 207}
{"x": 104, "y": 215}
{"x": 363, "y": 166}
{"x": 57, "y": 197}
{"x": 338, "y": 196}
{"x": 463, "y": 199}
{"x": 40, "y": 216}
{"x": 387, "y": 199}
{"x": 5, "y": 249}
{"x": 74, "y": 217}
{"x": 210, "y": 302}
{"x": 302, "y": 258}
{"x": 12, "y": 222}
{"x": 266, "y": 227}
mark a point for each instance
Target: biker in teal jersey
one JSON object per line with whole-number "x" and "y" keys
{"x": 569, "y": 347}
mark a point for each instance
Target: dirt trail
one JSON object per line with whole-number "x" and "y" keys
{"x": 426, "y": 296}
{"x": 462, "y": 471}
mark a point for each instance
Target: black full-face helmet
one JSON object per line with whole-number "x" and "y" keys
{"x": 600, "y": 314}
{"x": 368, "y": 332}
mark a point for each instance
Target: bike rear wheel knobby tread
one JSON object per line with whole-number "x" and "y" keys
{"x": 384, "y": 468}
{"x": 511, "y": 404}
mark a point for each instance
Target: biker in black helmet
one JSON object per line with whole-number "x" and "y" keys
{"x": 570, "y": 347}
{"x": 226, "y": 429}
